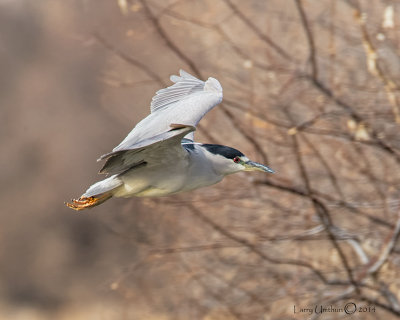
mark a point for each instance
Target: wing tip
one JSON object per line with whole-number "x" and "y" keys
{"x": 185, "y": 74}
{"x": 213, "y": 85}
{"x": 174, "y": 79}
{"x": 182, "y": 75}
{"x": 177, "y": 126}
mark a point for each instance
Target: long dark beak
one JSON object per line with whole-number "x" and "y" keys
{"x": 255, "y": 166}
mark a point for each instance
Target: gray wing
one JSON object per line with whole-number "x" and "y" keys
{"x": 153, "y": 151}
{"x": 185, "y": 102}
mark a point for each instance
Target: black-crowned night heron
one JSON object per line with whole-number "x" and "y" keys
{"x": 159, "y": 156}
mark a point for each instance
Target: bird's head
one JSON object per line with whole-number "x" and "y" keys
{"x": 227, "y": 160}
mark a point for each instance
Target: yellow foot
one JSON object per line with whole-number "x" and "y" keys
{"x": 84, "y": 203}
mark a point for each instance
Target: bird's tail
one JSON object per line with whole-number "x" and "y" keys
{"x": 88, "y": 202}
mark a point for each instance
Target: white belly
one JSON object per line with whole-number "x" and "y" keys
{"x": 164, "y": 180}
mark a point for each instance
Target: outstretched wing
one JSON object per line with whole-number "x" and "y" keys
{"x": 153, "y": 151}
{"x": 186, "y": 102}
{"x": 185, "y": 85}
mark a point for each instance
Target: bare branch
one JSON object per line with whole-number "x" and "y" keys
{"x": 253, "y": 248}
{"x": 174, "y": 48}
{"x": 129, "y": 59}
{"x": 257, "y": 31}
{"x": 310, "y": 39}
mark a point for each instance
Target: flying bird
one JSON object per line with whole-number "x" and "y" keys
{"x": 159, "y": 156}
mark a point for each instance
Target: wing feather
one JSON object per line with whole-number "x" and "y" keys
{"x": 184, "y": 85}
{"x": 148, "y": 151}
{"x": 186, "y": 102}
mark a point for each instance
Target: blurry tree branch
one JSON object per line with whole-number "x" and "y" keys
{"x": 127, "y": 58}
{"x": 255, "y": 250}
{"x": 373, "y": 62}
{"x": 258, "y": 32}
{"x": 335, "y": 150}
{"x": 168, "y": 41}
{"x": 310, "y": 39}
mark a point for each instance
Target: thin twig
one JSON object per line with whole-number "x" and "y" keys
{"x": 129, "y": 59}
{"x": 258, "y": 32}
{"x": 168, "y": 41}
{"x": 253, "y": 248}
{"x": 310, "y": 39}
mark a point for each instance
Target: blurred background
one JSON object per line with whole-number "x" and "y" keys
{"x": 311, "y": 88}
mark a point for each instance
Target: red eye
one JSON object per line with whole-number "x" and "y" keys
{"x": 236, "y": 159}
